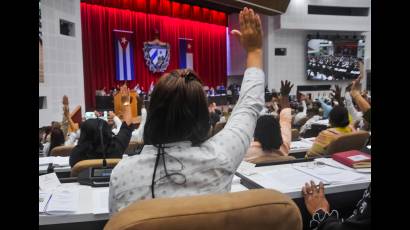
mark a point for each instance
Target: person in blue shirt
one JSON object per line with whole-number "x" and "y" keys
{"x": 326, "y": 108}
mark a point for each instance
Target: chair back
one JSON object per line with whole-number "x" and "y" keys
{"x": 350, "y": 141}
{"x": 93, "y": 163}
{"x": 62, "y": 151}
{"x": 260, "y": 209}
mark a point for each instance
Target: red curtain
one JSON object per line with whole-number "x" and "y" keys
{"x": 98, "y": 22}
{"x": 167, "y": 8}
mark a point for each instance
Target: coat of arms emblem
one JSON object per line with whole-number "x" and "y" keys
{"x": 156, "y": 54}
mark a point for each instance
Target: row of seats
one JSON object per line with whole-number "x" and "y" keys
{"x": 65, "y": 151}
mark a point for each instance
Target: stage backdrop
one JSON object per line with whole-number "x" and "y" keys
{"x": 98, "y": 23}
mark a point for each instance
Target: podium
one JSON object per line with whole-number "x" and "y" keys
{"x": 118, "y": 106}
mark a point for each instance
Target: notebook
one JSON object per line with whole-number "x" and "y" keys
{"x": 353, "y": 158}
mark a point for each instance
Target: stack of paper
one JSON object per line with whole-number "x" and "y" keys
{"x": 284, "y": 179}
{"x": 246, "y": 168}
{"x": 330, "y": 174}
{"x": 45, "y": 160}
{"x": 300, "y": 145}
{"x": 48, "y": 182}
{"x": 333, "y": 163}
{"x": 44, "y": 197}
{"x": 63, "y": 202}
{"x": 100, "y": 200}
{"x": 56, "y": 161}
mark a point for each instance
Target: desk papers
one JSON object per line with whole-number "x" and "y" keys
{"x": 63, "y": 202}
{"x": 300, "y": 145}
{"x": 56, "y": 161}
{"x": 48, "y": 182}
{"x": 329, "y": 174}
{"x": 246, "y": 168}
{"x": 44, "y": 197}
{"x": 284, "y": 179}
{"x": 100, "y": 200}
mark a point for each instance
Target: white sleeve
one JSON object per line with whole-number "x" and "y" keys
{"x": 118, "y": 124}
{"x": 308, "y": 124}
{"x": 71, "y": 139}
{"x": 234, "y": 139}
{"x": 356, "y": 115}
{"x": 138, "y": 134}
{"x": 46, "y": 147}
{"x": 304, "y": 107}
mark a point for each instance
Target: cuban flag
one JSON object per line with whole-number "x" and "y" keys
{"x": 186, "y": 55}
{"x": 124, "y": 55}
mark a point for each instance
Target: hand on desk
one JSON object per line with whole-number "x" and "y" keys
{"x": 315, "y": 197}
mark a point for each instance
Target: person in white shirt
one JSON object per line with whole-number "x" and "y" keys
{"x": 117, "y": 122}
{"x": 314, "y": 116}
{"x": 178, "y": 159}
{"x": 301, "y": 114}
{"x": 138, "y": 134}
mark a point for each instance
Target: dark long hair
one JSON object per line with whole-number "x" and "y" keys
{"x": 89, "y": 144}
{"x": 178, "y": 110}
{"x": 267, "y": 132}
{"x": 339, "y": 116}
{"x": 56, "y": 138}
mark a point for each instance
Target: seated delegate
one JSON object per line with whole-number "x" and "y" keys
{"x": 178, "y": 159}
{"x": 272, "y": 138}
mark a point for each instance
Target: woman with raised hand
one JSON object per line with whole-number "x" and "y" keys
{"x": 178, "y": 159}
{"x": 90, "y": 146}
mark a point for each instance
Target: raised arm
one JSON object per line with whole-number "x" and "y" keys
{"x": 117, "y": 122}
{"x": 326, "y": 108}
{"x": 356, "y": 115}
{"x": 236, "y": 137}
{"x": 355, "y": 92}
{"x": 285, "y": 116}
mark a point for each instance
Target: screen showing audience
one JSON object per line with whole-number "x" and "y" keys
{"x": 333, "y": 60}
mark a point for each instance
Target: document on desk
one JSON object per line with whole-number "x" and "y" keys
{"x": 63, "y": 202}
{"x": 333, "y": 163}
{"x": 48, "y": 182}
{"x": 284, "y": 179}
{"x": 61, "y": 161}
{"x": 100, "y": 200}
{"x": 329, "y": 174}
{"x": 44, "y": 197}
{"x": 300, "y": 145}
{"x": 45, "y": 160}
{"x": 246, "y": 168}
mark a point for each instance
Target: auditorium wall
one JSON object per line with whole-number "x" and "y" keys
{"x": 63, "y": 59}
{"x": 289, "y": 31}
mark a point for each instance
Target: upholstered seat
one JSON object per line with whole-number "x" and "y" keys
{"x": 253, "y": 209}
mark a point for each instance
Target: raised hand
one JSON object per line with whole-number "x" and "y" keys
{"x": 65, "y": 100}
{"x": 125, "y": 95}
{"x": 66, "y": 111}
{"x": 250, "y": 34}
{"x": 285, "y": 88}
